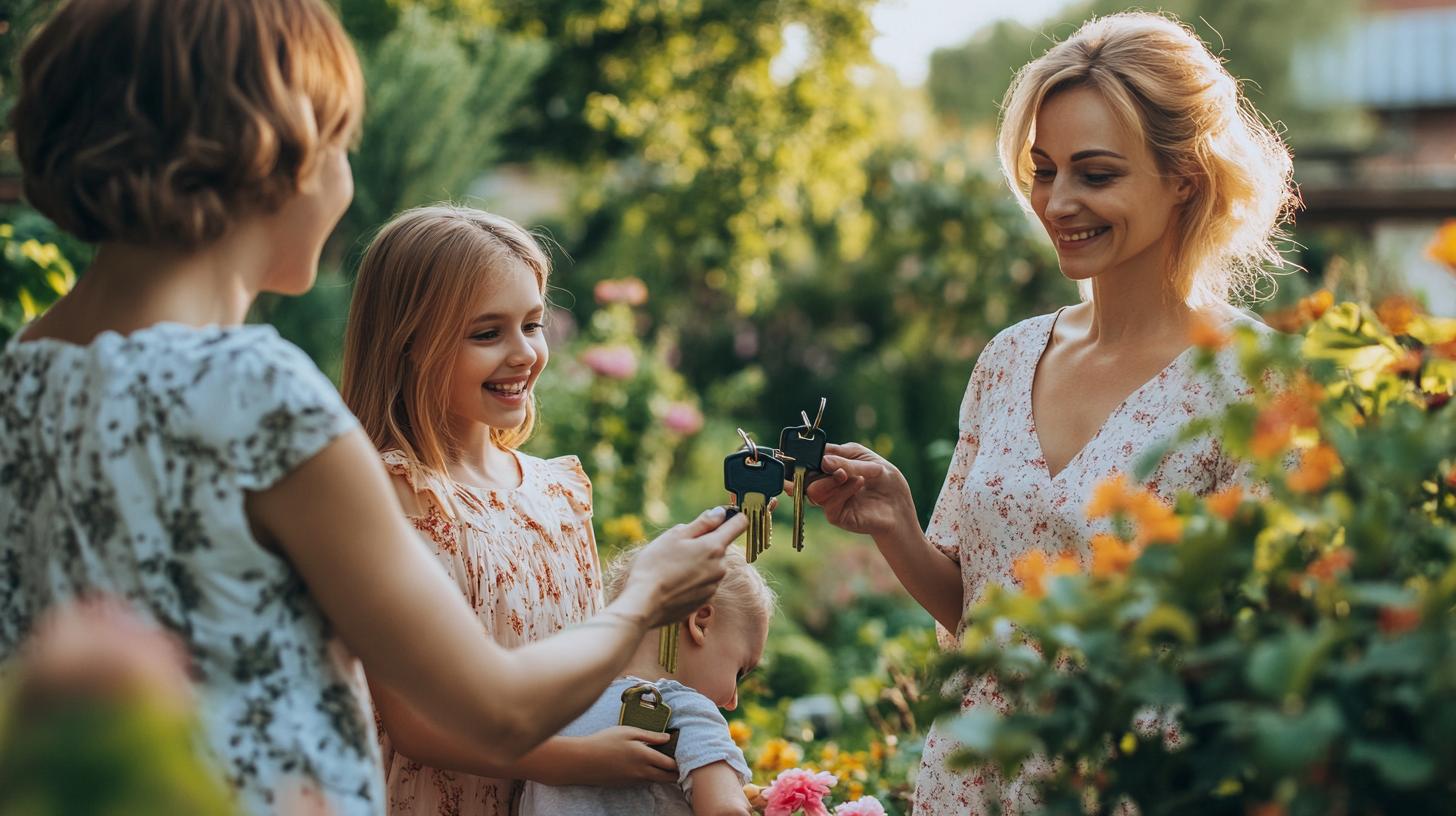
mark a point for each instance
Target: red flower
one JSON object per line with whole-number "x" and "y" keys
{"x": 1397, "y": 620}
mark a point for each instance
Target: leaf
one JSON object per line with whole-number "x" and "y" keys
{"x": 1285, "y": 744}
{"x": 1401, "y": 764}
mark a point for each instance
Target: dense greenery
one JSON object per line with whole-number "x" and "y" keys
{"x": 1292, "y": 651}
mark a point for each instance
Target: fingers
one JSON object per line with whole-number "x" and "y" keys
{"x": 709, "y": 519}
{"x": 643, "y": 735}
{"x": 723, "y": 534}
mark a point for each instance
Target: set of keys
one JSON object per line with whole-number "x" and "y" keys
{"x": 755, "y": 476}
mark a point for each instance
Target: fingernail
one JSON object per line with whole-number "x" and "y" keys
{"x": 729, "y": 511}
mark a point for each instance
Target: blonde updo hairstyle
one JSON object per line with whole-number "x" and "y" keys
{"x": 742, "y": 589}
{"x": 1162, "y": 82}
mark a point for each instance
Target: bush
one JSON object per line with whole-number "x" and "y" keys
{"x": 1297, "y": 645}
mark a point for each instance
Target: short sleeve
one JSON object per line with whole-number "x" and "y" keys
{"x": 276, "y": 411}
{"x": 703, "y": 737}
{"x": 567, "y": 475}
{"x": 942, "y": 532}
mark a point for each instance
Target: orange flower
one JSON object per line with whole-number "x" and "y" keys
{"x": 740, "y": 733}
{"x": 1445, "y": 350}
{"x": 1443, "y": 244}
{"x": 1397, "y": 620}
{"x": 1033, "y": 568}
{"x": 1109, "y": 496}
{"x": 1330, "y": 565}
{"x": 1111, "y": 555}
{"x": 1451, "y": 479}
{"x": 1205, "y": 334}
{"x": 1316, "y": 466}
{"x": 1268, "y": 809}
{"x": 1225, "y": 503}
{"x": 1410, "y": 363}
{"x": 1155, "y": 521}
{"x": 1301, "y": 314}
{"x": 1397, "y": 312}
{"x": 1291, "y": 410}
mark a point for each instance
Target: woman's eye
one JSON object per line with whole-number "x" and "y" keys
{"x": 1098, "y": 179}
{"x": 1044, "y": 175}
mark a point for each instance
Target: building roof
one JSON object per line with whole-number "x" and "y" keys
{"x": 1385, "y": 60}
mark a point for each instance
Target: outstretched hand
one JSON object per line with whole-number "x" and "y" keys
{"x": 861, "y": 492}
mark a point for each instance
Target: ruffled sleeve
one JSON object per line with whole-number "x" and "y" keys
{"x": 567, "y": 476}
{"x": 428, "y": 487}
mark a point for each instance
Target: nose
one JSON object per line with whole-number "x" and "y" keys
{"x": 1061, "y": 201}
{"x": 523, "y": 353}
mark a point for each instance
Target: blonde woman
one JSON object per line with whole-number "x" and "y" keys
{"x": 1162, "y": 190}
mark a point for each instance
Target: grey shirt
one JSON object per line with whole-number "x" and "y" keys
{"x": 702, "y": 740}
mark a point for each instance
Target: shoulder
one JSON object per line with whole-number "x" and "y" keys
{"x": 561, "y": 475}
{"x": 1019, "y": 337}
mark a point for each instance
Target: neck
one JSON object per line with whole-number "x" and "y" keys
{"x": 480, "y": 460}
{"x": 1135, "y": 304}
{"x": 644, "y": 661}
{"x": 129, "y": 287}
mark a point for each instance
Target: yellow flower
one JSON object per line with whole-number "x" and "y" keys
{"x": 1225, "y": 503}
{"x": 1316, "y": 466}
{"x": 1111, "y": 555}
{"x": 740, "y": 732}
{"x": 1443, "y": 244}
{"x": 626, "y": 529}
{"x": 779, "y": 755}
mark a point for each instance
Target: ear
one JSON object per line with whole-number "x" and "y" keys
{"x": 1183, "y": 188}
{"x": 697, "y": 625}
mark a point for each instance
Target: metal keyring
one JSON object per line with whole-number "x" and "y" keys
{"x": 750, "y": 447}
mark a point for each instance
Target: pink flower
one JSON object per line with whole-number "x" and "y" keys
{"x": 863, "y": 806}
{"x": 616, "y": 362}
{"x": 631, "y": 291}
{"x": 682, "y": 418}
{"x": 797, "y": 789}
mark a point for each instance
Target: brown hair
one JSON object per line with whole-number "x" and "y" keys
{"x": 742, "y": 588}
{"x": 419, "y": 284}
{"x": 159, "y": 121}
{"x": 1166, "y": 86}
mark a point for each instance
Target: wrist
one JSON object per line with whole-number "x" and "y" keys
{"x": 634, "y": 608}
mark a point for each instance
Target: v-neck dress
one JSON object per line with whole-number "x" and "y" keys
{"x": 526, "y": 561}
{"x": 999, "y": 501}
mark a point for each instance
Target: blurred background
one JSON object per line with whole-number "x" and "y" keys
{"x": 755, "y": 203}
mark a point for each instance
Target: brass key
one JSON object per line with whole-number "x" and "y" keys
{"x": 804, "y": 445}
{"x": 754, "y": 477}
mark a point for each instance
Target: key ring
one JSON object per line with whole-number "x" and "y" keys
{"x": 752, "y": 448}
{"x": 823, "y": 401}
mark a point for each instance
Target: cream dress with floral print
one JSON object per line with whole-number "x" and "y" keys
{"x": 526, "y": 561}
{"x": 1000, "y": 501}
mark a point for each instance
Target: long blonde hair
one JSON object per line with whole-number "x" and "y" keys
{"x": 420, "y": 282}
{"x": 1165, "y": 85}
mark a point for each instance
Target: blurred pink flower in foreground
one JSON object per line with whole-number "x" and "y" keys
{"x": 682, "y": 418}
{"x": 797, "y": 789}
{"x": 631, "y": 291}
{"x": 616, "y": 362}
{"x": 99, "y": 649}
{"x": 863, "y": 806}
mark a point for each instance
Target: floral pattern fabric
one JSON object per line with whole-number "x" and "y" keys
{"x": 526, "y": 561}
{"x": 999, "y": 501}
{"x": 124, "y": 465}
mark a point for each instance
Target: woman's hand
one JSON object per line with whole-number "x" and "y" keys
{"x": 617, "y": 757}
{"x": 861, "y": 492}
{"x": 679, "y": 571}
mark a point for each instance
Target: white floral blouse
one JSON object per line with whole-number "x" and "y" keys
{"x": 999, "y": 502}
{"x": 124, "y": 465}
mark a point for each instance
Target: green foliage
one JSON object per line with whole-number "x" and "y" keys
{"x": 35, "y": 269}
{"x": 1255, "y": 38}
{"x": 1300, "y": 642}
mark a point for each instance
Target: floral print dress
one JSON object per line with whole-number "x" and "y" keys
{"x": 999, "y": 501}
{"x": 124, "y": 465}
{"x": 526, "y": 561}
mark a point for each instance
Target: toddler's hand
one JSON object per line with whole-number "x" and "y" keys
{"x": 622, "y": 756}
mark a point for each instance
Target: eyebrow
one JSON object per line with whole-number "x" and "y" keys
{"x": 486, "y": 318}
{"x": 1083, "y": 154}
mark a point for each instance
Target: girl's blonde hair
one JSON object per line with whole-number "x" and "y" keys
{"x": 420, "y": 282}
{"x": 1165, "y": 85}
{"x": 743, "y": 588}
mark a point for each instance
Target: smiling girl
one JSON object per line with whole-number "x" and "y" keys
{"x": 444, "y": 346}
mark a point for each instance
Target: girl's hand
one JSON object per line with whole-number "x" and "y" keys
{"x": 620, "y": 756}
{"x": 679, "y": 571}
{"x": 861, "y": 492}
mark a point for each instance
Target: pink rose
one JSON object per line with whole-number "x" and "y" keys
{"x": 863, "y": 806}
{"x": 616, "y": 362}
{"x": 797, "y": 789}
{"x": 682, "y": 418}
{"x": 631, "y": 291}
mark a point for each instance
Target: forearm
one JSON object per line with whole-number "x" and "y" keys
{"x": 929, "y": 575}
{"x": 428, "y": 744}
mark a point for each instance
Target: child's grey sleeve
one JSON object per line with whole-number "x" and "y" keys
{"x": 702, "y": 739}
